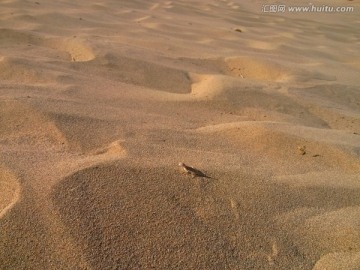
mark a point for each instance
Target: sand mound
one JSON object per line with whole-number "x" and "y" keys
{"x": 257, "y": 101}
{"x": 9, "y": 191}
{"x": 136, "y": 216}
{"x": 23, "y": 124}
{"x": 113, "y": 149}
{"x": 119, "y": 211}
{"x": 258, "y": 44}
{"x": 257, "y": 69}
{"x": 77, "y": 49}
{"x": 129, "y": 218}
{"x": 342, "y": 228}
{"x": 265, "y": 138}
{"x": 339, "y": 261}
{"x": 212, "y": 86}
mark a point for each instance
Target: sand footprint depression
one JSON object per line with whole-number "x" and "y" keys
{"x": 32, "y": 126}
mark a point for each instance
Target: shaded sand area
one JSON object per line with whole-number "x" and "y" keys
{"x": 100, "y": 101}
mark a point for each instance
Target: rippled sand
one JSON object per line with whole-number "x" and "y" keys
{"x": 99, "y": 102}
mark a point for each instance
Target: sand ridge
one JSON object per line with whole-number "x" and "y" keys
{"x": 99, "y": 103}
{"x": 10, "y": 191}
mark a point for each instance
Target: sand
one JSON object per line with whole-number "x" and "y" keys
{"x": 100, "y": 101}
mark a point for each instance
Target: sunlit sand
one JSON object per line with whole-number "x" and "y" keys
{"x": 100, "y": 101}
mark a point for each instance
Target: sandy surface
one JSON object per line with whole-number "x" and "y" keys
{"x": 100, "y": 101}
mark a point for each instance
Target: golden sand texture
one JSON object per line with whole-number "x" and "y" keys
{"x": 100, "y": 101}
{"x": 10, "y": 191}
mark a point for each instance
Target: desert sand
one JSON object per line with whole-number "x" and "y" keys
{"x": 100, "y": 101}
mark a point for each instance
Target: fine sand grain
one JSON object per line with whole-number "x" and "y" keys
{"x": 100, "y": 101}
{"x": 10, "y": 191}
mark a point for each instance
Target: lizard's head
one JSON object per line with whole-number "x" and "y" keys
{"x": 181, "y": 164}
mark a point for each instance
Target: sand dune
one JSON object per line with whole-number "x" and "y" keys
{"x": 99, "y": 102}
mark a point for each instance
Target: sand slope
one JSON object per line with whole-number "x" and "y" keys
{"x": 99, "y": 102}
{"x": 10, "y": 191}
